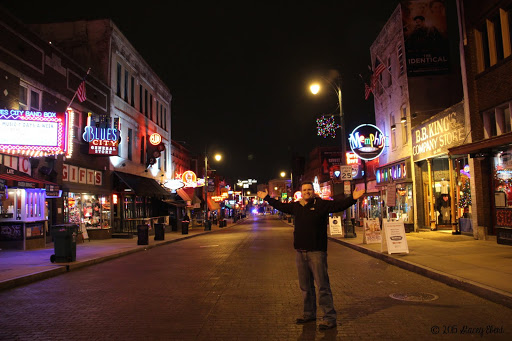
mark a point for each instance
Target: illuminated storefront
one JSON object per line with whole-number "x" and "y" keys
{"x": 87, "y": 200}
{"x": 396, "y": 186}
{"x": 23, "y": 210}
{"x": 24, "y": 199}
{"x": 441, "y": 181}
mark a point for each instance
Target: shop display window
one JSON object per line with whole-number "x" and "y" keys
{"x": 8, "y": 204}
{"x": 129, "y": 211}
{"x": 404, "y": 203}
{"x": 23, "y": 204}
{"x": 503, "y": 179}
{"x": 87, "y": 210}
{"x": 372, "y": 206}
{"x": 463, "y": 188}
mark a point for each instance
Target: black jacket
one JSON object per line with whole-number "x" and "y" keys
{"x": 311, "y": 220}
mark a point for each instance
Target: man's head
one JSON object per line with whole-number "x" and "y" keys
{"x": 307, "y": 190}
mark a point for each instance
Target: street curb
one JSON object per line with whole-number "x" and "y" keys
{"x": 66, "y": 267}
{"x": 492, "y": 294}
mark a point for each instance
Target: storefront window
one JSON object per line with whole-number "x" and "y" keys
{"x": 503, "y": 179}
{"x": 90, "y": 210}
{"x": 129, "y": 209}
{"x": 8, "y": 204}
{"x": 404, "y": 203}
{"x": 463, "y": 188}
{"x": 139, "y": 207}
{"x": 372, "y": 207}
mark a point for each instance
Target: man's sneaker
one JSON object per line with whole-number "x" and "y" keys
{"x": 327, "y": 325}
{"x": 302, "y": 320}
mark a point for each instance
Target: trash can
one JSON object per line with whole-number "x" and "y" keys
{"x": 159, "y": 232}
{"x": 184, "y": 226}
{"x": 143, "y": 234}
{"x": 289, "y": 218}
{"x": 222, "y": 222}
{"x": 64, "y": 242}
{"x": 207, "y": 225}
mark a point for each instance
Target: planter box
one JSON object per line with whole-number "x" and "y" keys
{"x": 99, "y": 233}
{"x": 504, "y": 235}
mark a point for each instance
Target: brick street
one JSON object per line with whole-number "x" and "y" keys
{"x": 241, "y": 284}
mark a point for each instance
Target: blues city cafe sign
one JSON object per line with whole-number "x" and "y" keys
{"x": 103, "y": 139}
{"x": 367, "y": 141}
{"x": 33, "y": 133}
{"x": 443, "y": 131}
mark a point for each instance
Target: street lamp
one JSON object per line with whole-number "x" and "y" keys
{"x": 217, "y": 157}
{"x": 315, "y": 89}
{"x": 283, "y": 174}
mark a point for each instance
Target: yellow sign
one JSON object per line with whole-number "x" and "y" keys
{"x": 155, "y": 139}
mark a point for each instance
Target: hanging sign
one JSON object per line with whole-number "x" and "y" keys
{"x": 155, "y": 139}
{"x": 103, "y": 139}
{"x": 32, "y": 133}
{"x": 367, "y": 141}
{"x": 174, "y": 184}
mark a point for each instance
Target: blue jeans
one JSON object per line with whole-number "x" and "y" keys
{"x": 312, "y": 268}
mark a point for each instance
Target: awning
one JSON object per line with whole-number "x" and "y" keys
{"x": 482, "y": 146}
{"x": 212, "y": 205}
{"x": 142, "y": 186}
{"x": 25, "y": 181}
{"x": 183, "y": 195}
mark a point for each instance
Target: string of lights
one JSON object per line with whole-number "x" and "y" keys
{"x": 326, "y": 126}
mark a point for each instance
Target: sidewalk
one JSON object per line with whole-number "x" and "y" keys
{"x": 482, "y": 267}
{"x": 19, "y": 267}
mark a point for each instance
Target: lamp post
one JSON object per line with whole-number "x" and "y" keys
{"x": 315, "y": 88}
{"x": 283, "y": 174}
{"x": 217, "y": 157}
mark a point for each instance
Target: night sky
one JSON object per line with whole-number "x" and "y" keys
{"x": 239, "y": 71}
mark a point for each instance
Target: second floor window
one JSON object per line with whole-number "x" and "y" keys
{"x": 140, "y": 99}
{"x": 30, "y": 98}
{"x": 118, "y": 80}
{"x": 126, "y": 85}
{"x": 142, "y": 150}
{"x": 129, "y": 143}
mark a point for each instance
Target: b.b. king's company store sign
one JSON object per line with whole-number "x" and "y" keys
{"x": 367, "y": 141}
{"x": 434, "y": 137}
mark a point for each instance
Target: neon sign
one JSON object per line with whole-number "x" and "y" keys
{"x": 102, "y": 140}
{"x": 33, "y": 133}
{"x": 155, "y": 139}
{"x": 367, "y": 141}
{"x": 190, "y": 179}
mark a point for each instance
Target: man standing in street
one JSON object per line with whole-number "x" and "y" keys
{"x": 310, "y": 241}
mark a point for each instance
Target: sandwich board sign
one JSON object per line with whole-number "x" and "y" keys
{"x": 393, "y": 237}
{"x": 335, "y": 226}
{"x": 372, "y": 231}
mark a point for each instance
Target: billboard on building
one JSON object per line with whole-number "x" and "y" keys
{"x": 330, "y": 159}
{"x": 426, "y": 37}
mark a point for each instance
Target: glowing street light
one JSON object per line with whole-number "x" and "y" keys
{"x": 217, "y": 157}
